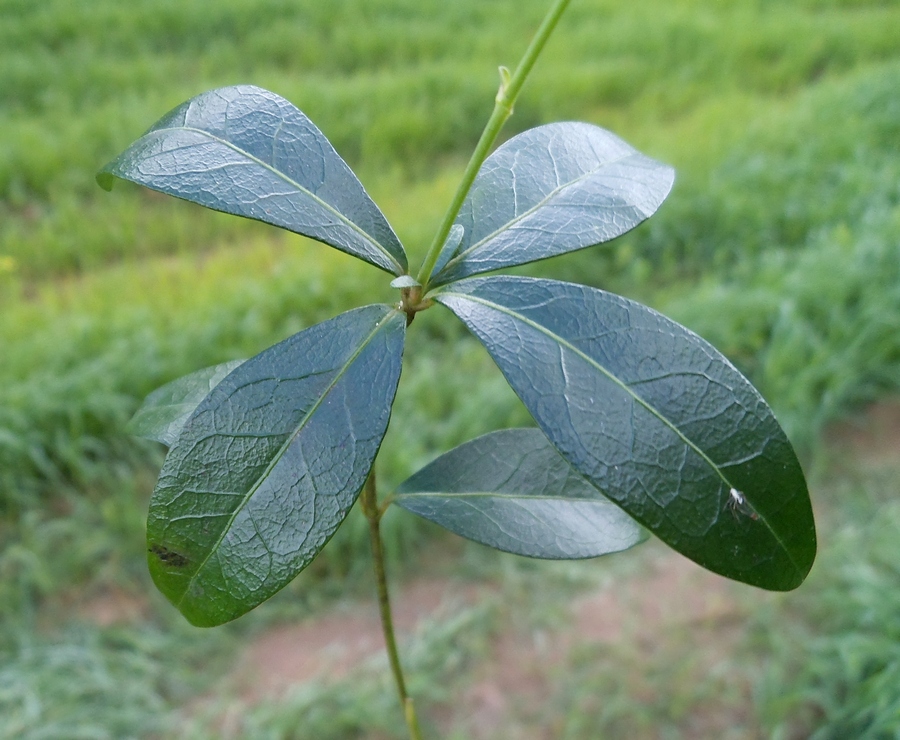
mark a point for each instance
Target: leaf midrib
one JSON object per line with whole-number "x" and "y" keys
{"x": 552, "y": 194}
{"x": 327, "y": 206}
{"x": 381, "y": 324}
{"x": 512, "y": 496}
{"x": 568, "y": 345}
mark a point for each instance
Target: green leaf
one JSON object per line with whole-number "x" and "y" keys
{"x": 405, "y": 281}
{"x": 249, "y": 152}
{"x": 449, "y": 248}
{"x": 550, "y": 190}
{"x": 164, "y": 412}
{"x": 655, "y": 418}
{"x": 269, "y": 464}
{"x": 513, "y": 491}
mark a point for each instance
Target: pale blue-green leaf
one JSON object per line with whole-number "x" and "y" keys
{"x": 405, "y": 281}
{"x": 450, "y": 247}
{"x": 550, "y": 190}
{"x": 655, "y": 418}
{"x": 164, "y": 412}
{"x": 512, "y": 490}
{"x": 269, "y": 464}
{"x": 247, "y": 151}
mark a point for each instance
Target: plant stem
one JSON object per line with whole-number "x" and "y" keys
{"x": 373, "y": 512}
{"x": 503, "y": 108}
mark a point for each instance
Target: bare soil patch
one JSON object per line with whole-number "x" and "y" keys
{"x": 330, "y": 645}
{"x": 870, "y": 437}
{"x": 670, "y": 609}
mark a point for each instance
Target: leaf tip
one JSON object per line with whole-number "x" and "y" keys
{"x": 105, "y": 179}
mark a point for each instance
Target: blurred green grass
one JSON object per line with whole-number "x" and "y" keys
{"x": 779, "y": 244}
{"x": 834, "y": 670}
{"x": 396, "y": 85}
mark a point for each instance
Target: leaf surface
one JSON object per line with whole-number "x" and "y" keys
{"x": 269, "y": 464}
{"x": 249, "y": 152}
{"x": 450, "y": 247}
{"x": 655, "y": 418}
{"x": 164, "y": 412}
{"x": 550, "y": 190}
{"x": 513, "y": 491}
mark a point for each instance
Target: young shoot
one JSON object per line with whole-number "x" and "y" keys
{"x": 637, "y": 419}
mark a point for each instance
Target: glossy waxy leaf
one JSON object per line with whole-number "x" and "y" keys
{"x": 450, "y": 247}
{"x": 405, "y": 281}
{"x": 654, "y": 417}
{"x": 513, "y": 491}
{"x": 249, "y": 152}
{"x": 269, "y": 464}
{"x": 164, "y": 412}
{"x": 550, "y": 190}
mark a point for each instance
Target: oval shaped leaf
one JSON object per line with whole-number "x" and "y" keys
{"x": 550, "y": 190}
{"x": 269, "y": 464}
{"x": 654, "y": 417}
{"x": 511, "y": 490}
{"x": 249, "y": 152}
{"x": 164, "y": 412}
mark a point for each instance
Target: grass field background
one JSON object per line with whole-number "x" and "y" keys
{"x": 780, "y": 244}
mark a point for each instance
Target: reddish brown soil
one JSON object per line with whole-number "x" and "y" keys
{"x": 331, "y": 644}
{"x": 671, "y": 599}
{"x": 871, "y": 436}
{"x": 111, "y": 607}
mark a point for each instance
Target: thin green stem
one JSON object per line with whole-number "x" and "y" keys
{"x": 373, "y": 512}
{"x": 503, "y": 108}
{"x": 510, "y": 86}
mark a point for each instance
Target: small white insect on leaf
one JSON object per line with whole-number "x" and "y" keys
{"x": 737, "y": 503}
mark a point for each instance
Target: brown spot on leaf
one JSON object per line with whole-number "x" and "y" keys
{"x": 169, "y": 557}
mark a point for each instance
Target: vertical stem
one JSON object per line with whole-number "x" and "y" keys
{"x": 369, "y": 501}
{"x": 503, "y": 108}
{"x": 510, "y": 86}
